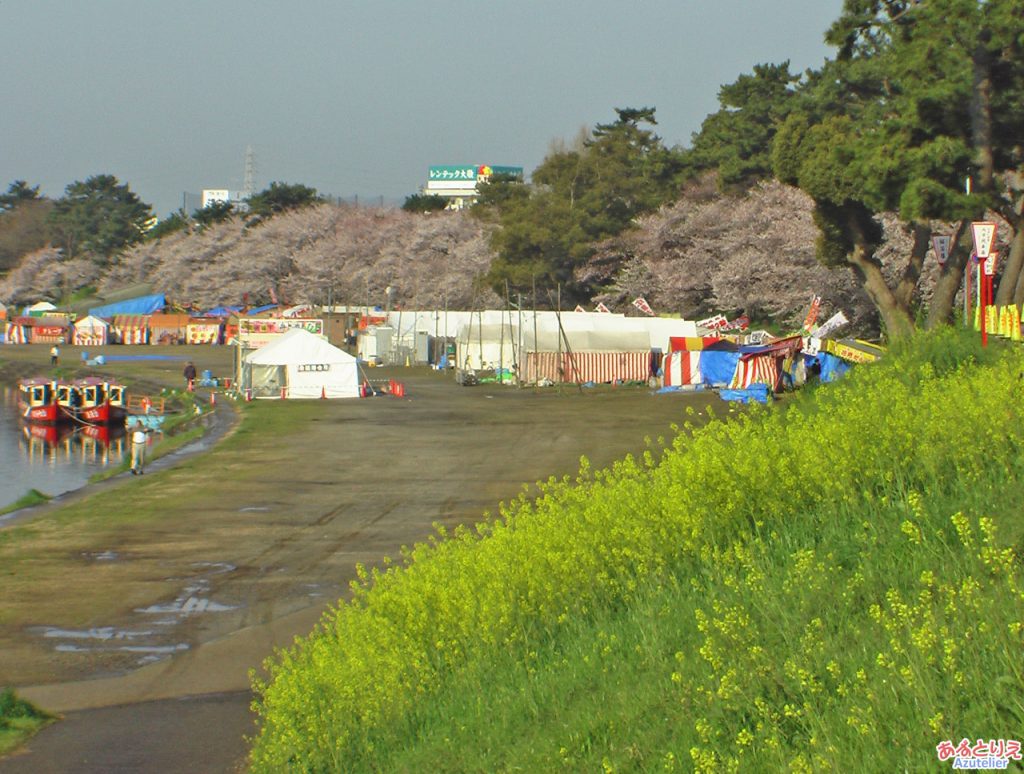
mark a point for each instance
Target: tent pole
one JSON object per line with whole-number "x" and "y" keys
{"x": 480, "y": 334}
{"x": 558, "y": 319}
{"x": 535, "y": 350}
{"x": 519, "y": 367}
{"x": 568, "y": 349}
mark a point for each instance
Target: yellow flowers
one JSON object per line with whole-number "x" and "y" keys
{"x": 912, "y": 531}
{"x": 809, "y": 554}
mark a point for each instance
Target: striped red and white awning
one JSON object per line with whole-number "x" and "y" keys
{"x": 682, "y": 369}
{"x": 762, "y": 369}
{"x": 581, "y": 367}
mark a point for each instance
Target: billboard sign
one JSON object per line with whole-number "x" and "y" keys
{"x": 466, "y": 176}
{"x": 212, "y": 195}
{"x": 256, "y": 332}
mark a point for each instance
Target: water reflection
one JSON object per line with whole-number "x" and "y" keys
{"x": 88, "y": 444}
{"x": 51, "y": 459}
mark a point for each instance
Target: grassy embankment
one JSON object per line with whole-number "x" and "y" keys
{"x": 18, "y": 720}
{"x": 834, "y": 584}
{"x": 27, "y": 500}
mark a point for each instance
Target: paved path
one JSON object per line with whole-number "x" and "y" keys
{"x": 387, "y": 469}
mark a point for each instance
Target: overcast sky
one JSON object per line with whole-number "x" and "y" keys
{"x": 358, "y": 98}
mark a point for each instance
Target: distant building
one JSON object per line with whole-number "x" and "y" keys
{"x": 213, "y": 195}
{"x": 458, "y": 184}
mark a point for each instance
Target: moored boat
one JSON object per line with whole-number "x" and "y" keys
{"x": 99, "y": 402}
{"x": 67, "y": 398}
{"x": 37, "y": 401}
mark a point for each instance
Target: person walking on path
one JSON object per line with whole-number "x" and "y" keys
{"x": 139, "y": 436}
{"x": 54, "y": 355}
{"x": 190, "y": 376}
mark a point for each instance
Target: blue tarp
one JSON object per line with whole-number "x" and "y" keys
{"x": 261, "y": 309}
{"x": 222, "y": 311}
{"x": 832, "y": 367}
{"x": 141, "y": 357}
{"x": 716, "y": 367}
{"x": 758, "y": 392}
{"x": 140, "y": 305}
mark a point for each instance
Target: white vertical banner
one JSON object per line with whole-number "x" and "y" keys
{"x": 835, "y": 321}
{"x": 941, "y": 245}
{"x": 984, "y": 233}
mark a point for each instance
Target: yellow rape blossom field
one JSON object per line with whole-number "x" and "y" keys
{"x": 832, "y": 583}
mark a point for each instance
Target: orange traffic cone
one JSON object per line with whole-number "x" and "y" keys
{"x": 323, "y": 393}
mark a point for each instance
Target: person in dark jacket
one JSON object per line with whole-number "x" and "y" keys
{"x": 190, "y": 376}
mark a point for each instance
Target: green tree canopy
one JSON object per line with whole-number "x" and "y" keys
{"x": 214, "y": 212}
{"x": 173, "y": 223}
{"x": 578, "y": 196}
{"x": 281, "y": 197}
{"x": 424, "y": 203}
{"x": 24, "y": 229}
{"x": 100, "y": 216}
{"x": 737, "y": 140}
{"x": 896, "y": 122}
{"x": 17, "y": 193}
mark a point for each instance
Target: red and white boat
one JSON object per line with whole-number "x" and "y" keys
{"x": 99, "y": 402}
{"x": 37, "y": 401}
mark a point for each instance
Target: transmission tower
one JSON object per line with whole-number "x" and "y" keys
{"x": 249, "y": 187}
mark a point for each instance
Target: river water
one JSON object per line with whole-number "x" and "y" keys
{"x": 51, "y": 460}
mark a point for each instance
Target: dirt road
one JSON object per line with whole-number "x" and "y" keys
{"x": 138, "y": 611}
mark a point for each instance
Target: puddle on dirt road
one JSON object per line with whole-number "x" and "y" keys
{"x": 107, "y": 639}
{"x": 194, "y": 598}
{"x": 150, "y": 643}
{"x": 102, "y": 633}
{"x": 254, "y": 509}
{"x": 102, "y": 556}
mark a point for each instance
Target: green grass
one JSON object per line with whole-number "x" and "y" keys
{"x": 832, "y": 584}
{"x": 644, "y": 687}
{"x": 18, "y": 721}
{"x": 27, "y": 500}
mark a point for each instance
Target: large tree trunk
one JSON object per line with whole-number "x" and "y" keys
{"x": 981, "y": 113}
{"x": 1012, "y": 285}
{"x": 1016, "y": 259}
{"x": 895, "y": 318}
{"x": 940, "y": 311}
{"x": 904, "y": 291}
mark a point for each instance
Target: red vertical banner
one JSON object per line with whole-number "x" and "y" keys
{"x": 812, "y": 313}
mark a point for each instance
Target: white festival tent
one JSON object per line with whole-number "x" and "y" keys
{"x": 301, "y": 365}
{"x": 91, "y": 332}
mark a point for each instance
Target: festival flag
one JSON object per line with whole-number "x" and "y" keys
{"x": 716, "y": 322}
{"x": 984, "y": 233}
{"x": 741, "y": 323}
{"x": 941, "y": 245}
{"x": 835, "y": 321}
{"x": 812, "y": 313}
{"x": 641, "y": 303}
{"x": 603, "y": 309}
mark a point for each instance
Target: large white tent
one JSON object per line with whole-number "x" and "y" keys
{"x": 90, "y": 332}
{"x": 300, "y": 364}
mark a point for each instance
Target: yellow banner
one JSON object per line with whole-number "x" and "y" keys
{"x": 863, "y": 352}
